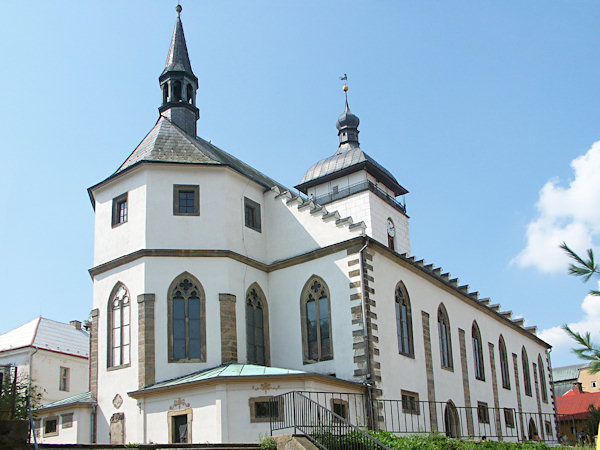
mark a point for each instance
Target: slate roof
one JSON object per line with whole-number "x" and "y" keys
{"x": 48, "y": 335}
{"x": 78, "y": 399}
{"x": 566, "y": 373}
{"x": 166, "y": 142}
{"x": 577, "y": 403}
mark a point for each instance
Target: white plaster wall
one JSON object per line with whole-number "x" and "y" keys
{"x": 18, "y": 358}
{"x": 46, "y": 374}
{"x": 109, "y": 242}
{"x": 285, "y": 287}
{"x": 401, "y": 372}
{"x": 79, "y": 433}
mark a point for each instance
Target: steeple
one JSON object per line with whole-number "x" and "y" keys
{"x": 347, "y": 125}
{"x": 179, "y": 84}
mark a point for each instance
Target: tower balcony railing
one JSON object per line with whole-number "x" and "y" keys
{"x": 359, "y": 187}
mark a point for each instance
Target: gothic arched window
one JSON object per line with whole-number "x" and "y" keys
{"x": 404, "y": 321}
{"x": 165, "y": 90}
{"x": 177, "y": 91}
{"x": 315, "y": 313}
{"x": 187, "y": 320}
{"x": 445, "y": 338}
{"x": 189, "y": 94}
{"x": 542, "y": 379}
{"x": 119, "y": 313}
{"x": 257, "y": 326}
{"x": 477, "y": 352}
{"x": 504, "y": 363}
{"x": 526, "y": 374}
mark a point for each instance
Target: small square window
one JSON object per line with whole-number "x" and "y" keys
{"x": 410, "y": 403}
{"x": 483, "y": 414}
{"x": 63, "y": 384}
{"x": 120, "y": 210}
{"x": 67, "y": 420}
{"x": 335, "y": 190}
{"x": 261, "y": 409}
{"x": 252, "y": 214}
{"x": 340, "y": 407}
{"x": 186, "y": 200}
{"x": 593, "y": 384}
{"x": 509, "y": 418}
{"x": 51, "y": 426}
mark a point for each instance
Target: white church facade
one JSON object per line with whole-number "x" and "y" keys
{"x": 216, "y": 287}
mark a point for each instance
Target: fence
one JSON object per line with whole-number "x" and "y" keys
{"x": 410, "y": 416}
{"x": 358, "y": 187}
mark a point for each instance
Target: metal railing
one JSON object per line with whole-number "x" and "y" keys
{"x": 358, "y": 187}
{"x": 419, "y": 417}
{"x": 325, "y": 428}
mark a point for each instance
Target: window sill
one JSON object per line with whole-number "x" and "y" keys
{"x": 123, "y": 366}
{"x": 258, "y": 230}
{"x": 194, "y": 214}
{"x": 506, "y": 387}
{"x": 408, "y": 355}
{"x": 192, "y": 360}
{"x": 116, "y": 225}
{"x": 310, "y": 361}
{"x": 480, "y": 379}
{"x": 449, "y": 369}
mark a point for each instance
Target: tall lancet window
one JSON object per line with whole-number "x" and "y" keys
{"x": 504, "y": 363}
{"x": 526, "y": 374}
{"x": 404, "y": 321}
{"x": 187, "y": 320}
{"x": 118, "y": 327}
{"x": 257, "y": 326}
{"x": 542, "y": 375}
{"x": 477, "y": 352}
{"x": 315, "y": 315}
{"x": 445, "y": 338}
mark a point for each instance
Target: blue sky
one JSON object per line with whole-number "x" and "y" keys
{"x": 478, "y": 108}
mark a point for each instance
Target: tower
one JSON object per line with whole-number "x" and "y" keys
{"x": 356, "y": 185}
{"x": 179, "y": 84}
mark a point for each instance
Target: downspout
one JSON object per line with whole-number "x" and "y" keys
{"x": 367, "y": 382}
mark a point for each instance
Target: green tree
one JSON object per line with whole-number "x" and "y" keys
{"x": 586, "y": 269}
{"x": 24, "y": 394}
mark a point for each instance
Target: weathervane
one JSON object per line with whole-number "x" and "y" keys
{"x": 345, "y": 88}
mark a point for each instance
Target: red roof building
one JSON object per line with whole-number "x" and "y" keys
{"x": 577, "y": 403}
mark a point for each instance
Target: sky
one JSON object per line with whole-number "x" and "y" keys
{"x": 487, "y": 112}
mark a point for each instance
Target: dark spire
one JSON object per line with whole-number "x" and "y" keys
{"x": 179, "y": 84}
{"x": 347, "y": 125}
{"x": 178, "y": 59}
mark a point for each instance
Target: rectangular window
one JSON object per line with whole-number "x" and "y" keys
{"x": 261, "y": 409}
{"x": 186, "y": 200}
{"x": 340, "y": 407}
{"x": 51, "y": 426}
{"x": 63, "y": 384}
{"x": 410, "y": 403}
{"x": 509, "y": 418}
{"x": 548, "y": 426}
{"x": 179, "y": 428}
{"x": 335, "y": 190}
{"x": 119, "y": 210}
{"x": 483, "y": 414}
{"x": 67, "y": 420}
{"x": 252, "y": 214}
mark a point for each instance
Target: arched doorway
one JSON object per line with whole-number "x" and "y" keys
{"x": 451, "y": 420}
{"x": 532, "y": 433}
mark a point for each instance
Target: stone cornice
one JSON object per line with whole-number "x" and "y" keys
{"x": 185, "y": 253}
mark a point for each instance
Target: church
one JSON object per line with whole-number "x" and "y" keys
{"x": 216, "y": 288}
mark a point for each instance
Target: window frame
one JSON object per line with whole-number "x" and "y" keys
{"x": 509, "y": 412}
{"x": 504, "y": 367}
{"x": 64, "y": 379}
{"x": 116, "y": 210}
{"x": 124, "y": 349}
{"x": 445, "y": 339}
{"x": 478, "y": 362}
{"x": 483, "y": 413}
{"x": 542, "y": 375}
{"x": 526, "y": 373}
{"x": 50, "y": 419}
{"x": 252, "y": 401}
{"x": 260, "y": 297}
{"x": 202, "y": 319}
{"x": 66, "y": 420}
{"x": 170, "y": 424}
{"x": 402, "y": 299}
{"x": 407, "y": 406}
{"x": 344, "y": 404}
{"x": 305, "y": 298}
{"x": 254, "y": 207}
{"x": 177, "y": 189}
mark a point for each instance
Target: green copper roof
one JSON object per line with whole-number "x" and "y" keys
{"x": 83, "y": 398}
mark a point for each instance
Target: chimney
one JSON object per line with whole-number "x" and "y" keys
{"x": 577, "y": 387}
{"x": 76, "y": 324}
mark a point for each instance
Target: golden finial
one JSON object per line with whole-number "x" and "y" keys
{"x": 345, "y": 88}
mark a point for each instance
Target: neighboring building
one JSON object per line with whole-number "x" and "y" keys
{"x": 216, "y": 287}
{"x": 564, "y": 377}
{"x": 573, "y": 409}
{"x": 53, "y": 354}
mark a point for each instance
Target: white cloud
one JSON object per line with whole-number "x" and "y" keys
{"x": 570, "y": 214}
{"x": 559, "y": 340}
